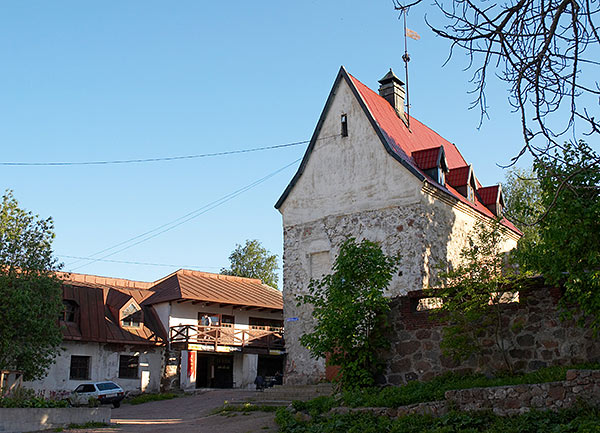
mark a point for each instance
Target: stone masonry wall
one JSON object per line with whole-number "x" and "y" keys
{"x": 580, "y": 386}
{"x": 424, "y": 234}
{"x": 310, "y": 250}
{"x": 537, "y": 338}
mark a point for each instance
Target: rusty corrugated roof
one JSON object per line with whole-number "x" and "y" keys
{"x": 207, "y": 287}
{"x": 98, "y": 298}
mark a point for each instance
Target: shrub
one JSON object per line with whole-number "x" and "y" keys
{"x": 28, "y": 398}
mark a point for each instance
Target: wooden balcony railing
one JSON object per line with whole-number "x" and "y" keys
{"x": 228, "y": 335}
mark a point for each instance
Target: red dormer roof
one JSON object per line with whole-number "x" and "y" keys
{"x": 491, "y": 194}
{"x": 488, "y": 194}
{"x": 459, "y": 176}
{"x": 427, "y": 159}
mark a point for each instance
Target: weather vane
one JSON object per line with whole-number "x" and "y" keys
{"x": 406, "y": 57}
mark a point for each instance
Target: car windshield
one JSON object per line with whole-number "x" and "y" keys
{"x": 106, "y": 386}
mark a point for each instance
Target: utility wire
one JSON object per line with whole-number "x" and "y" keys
{"x": 141, "y": 263}
{"x": 167, "y": 158}
{"x": 181, "y": 220}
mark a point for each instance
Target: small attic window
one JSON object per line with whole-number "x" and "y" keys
{"x": 69, "y": 312}
{"x": 131, "y": 316}
{"x": 441, "y": 176}
{"x": 344, "y": 122}
{"x": 470, "y": 193}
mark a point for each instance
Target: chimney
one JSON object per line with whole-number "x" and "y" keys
{"x": 392, "y": 90}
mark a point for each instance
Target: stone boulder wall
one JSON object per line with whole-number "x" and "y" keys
{"x": 537, "y": 338}
{"x": 580, "y": 386}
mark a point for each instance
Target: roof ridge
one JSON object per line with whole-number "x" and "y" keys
{"x": 108, "y": 281}
{"x": 217, "y": 276}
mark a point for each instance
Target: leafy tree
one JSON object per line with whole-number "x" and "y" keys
{"x": 568, "y": 252}
{"x": 30, "y": 292}
{"x": 523, "y": 199}
{"x": 473, "y": 295}
{"x": 253, "y": 261}
{"x": 350, "y": 312}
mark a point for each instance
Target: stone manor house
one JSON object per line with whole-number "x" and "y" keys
{"x": 372, "y": 172}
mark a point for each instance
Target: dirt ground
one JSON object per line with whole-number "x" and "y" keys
{"x": 187, "y": 414}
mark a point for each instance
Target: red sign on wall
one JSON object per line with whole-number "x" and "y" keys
{"x": 191, "y": 366}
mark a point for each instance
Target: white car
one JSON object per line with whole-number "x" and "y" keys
{"x": 105, "y": 392}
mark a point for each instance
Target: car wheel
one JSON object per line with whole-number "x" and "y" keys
{"x": 116, "y": 404}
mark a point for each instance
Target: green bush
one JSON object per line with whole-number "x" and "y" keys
{"x": 582, "y": 420}
{"x": 27, "y": 398}
{"x": 316, "y": 406}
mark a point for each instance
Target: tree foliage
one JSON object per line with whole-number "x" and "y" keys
{"x": 568, "y": 251}
{"x": 473, "y": 296}
{"x": 31, "y": 294}
{"x": 253, "y": 261}
{"x": 523, "y": 206}
{"x": 350, "y": 312}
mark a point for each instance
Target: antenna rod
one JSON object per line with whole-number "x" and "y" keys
{"x": 406, "y": 59}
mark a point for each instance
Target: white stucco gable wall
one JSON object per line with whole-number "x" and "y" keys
{"x": 348, "y": 174}
{"x": 352, "y": 186}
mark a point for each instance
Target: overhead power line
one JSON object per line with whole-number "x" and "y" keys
{"x": 162, "y": 159}
{"x": 177, "y": 222}
{"x": 140, "y": 263}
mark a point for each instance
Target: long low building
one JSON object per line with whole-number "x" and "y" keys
{"x": 187, "y": 330}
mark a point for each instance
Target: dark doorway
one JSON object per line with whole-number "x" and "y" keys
{"x": 223, "y": 371}
{"x": 269, "y": 365}
{"x": 202, "y": 371}
{"x": 214, "y": 371}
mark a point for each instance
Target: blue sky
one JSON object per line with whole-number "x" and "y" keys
{"x": 85, "y": 81}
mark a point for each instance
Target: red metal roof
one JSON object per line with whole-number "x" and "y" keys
{"x": 427, "y": 158}
{"x": 404, "y": 141}
{"x": 215, "y": 288}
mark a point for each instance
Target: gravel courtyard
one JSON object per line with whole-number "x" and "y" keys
{"x": 187, "y": 414}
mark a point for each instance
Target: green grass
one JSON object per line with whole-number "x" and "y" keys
{"x": 231, "y": 410}
{"x": 91, "y": 424}
{"x": 417, "y": 392}
{"x": 572, "y": 420}
{"x": 145, "y": 398}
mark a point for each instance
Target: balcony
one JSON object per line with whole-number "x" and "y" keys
{"x": 219, "y": 338}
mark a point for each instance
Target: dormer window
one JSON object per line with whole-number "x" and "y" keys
{"x": 132, "y": 316}
{"x": 492, "y": 198}
{"x": 433, "y": 163}
{"x": 344, "y": 122}
{"x": 69, "y": 312}
{"x": 470, "y": 193}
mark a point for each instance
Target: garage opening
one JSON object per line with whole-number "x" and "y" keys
{"x": 214, "y": 371}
